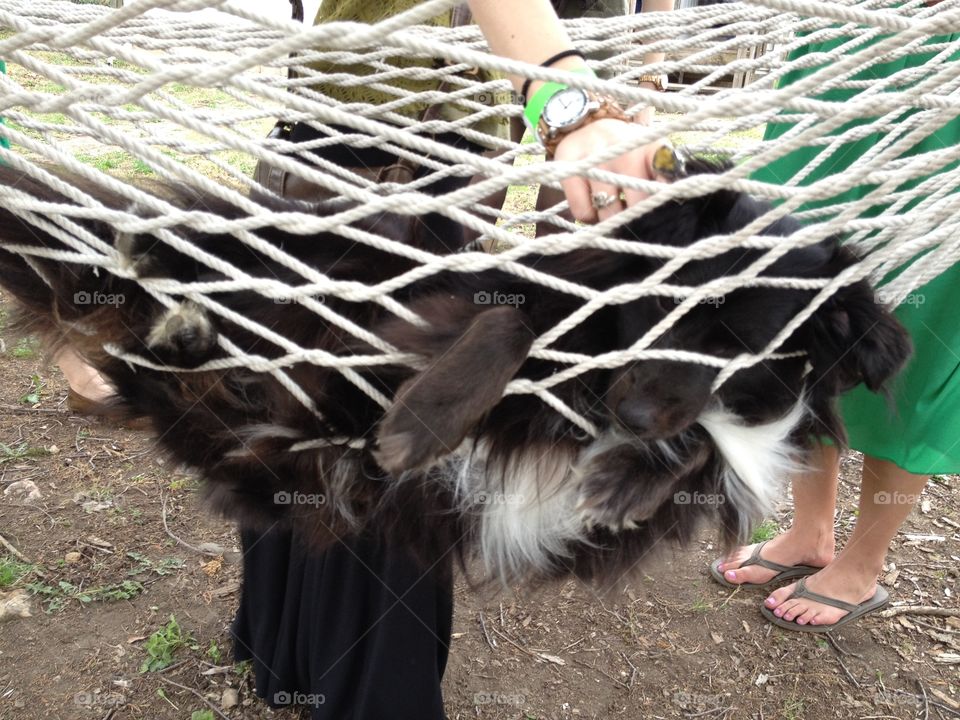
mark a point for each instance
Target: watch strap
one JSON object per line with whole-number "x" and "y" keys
{"x": 536, "y": 104}
{"x": 656, "y": 80}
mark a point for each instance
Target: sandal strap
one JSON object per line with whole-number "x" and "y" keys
{"x": 801, "y": 591}
{"x": 755, "y": 559}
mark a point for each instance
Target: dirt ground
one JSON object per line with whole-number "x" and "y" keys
{"x": 104, "y": 575}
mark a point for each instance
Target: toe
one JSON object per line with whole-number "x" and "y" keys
{"x": 780, "y": 596}
{"x": 806, "y": 615}
{"x": 790, "y": 609}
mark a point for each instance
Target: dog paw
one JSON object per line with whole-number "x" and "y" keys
{"x": 596, "y": 518}
{"x": 406, "y": 442}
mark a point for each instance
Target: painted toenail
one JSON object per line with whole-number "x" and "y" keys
{"x": 731, "y": 575}
{"x": 778, "y": 612}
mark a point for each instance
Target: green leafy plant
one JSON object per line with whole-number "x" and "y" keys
{"x": 163, "y": 566}
{"x": 162, "y": 645}
{"x": 213, "y": 652}
{"x": 21, "y": 452}
{"x": 32, "y": 396}
{"x": 57, "y": 597}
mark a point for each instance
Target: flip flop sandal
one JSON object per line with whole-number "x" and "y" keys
{"x": 880, "y": 598}
{"x": 784, "y": 572}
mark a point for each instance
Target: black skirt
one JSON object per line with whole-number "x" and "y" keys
{"x": 358, "y": 632}
{"x": 362, "y": 630}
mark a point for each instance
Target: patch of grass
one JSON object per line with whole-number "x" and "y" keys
{"x": 25, "y": 349}
{"x": 767, "y": 530}
{"x": 32, "y": 396}
{"x": 701, "y": 605}
{"x": 794, "y": 709}
{"x": 163, "y": 644}
{"x": 56, "y": 597}
{"x": 161, "y": 567}
{"x": 202, "y": 715}
{"x": 200, "y": 97}
{"x": 117, "y": 162}
{"x": 182, "y": 483}
{"x": 12, "y": 571}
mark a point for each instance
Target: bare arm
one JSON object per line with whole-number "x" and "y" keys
{"x": 530, "y": 31}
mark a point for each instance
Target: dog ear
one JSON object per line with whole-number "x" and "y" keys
{"x": 854, "y": 339}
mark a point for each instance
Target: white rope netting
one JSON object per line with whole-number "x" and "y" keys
{"x": 185, "y": 92}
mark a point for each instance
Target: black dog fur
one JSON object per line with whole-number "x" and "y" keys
{"x": 590, "y": 508}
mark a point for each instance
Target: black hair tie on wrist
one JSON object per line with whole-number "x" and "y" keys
{"x": 548, "y": 63}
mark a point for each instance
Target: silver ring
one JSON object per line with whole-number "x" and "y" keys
{"x": 602, "y": 200}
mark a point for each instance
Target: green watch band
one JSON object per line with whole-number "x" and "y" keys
{"x": 534, "y": 107}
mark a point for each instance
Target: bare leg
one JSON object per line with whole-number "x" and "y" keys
{"x": 809, "y": 541}
{"x": 887, "y": 495}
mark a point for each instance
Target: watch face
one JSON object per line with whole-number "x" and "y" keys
{"x": 565, "y": 108}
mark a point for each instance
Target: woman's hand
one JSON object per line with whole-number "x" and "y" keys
{"x": 589, "y": 198}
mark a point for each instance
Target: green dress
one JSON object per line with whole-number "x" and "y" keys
{"x": 3, "y": 141}
{"x": 920, "y": 430}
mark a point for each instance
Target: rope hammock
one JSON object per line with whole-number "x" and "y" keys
{"x": 184, "y": 91}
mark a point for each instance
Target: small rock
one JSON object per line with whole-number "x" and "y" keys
{"x": 92, "y": 506}
{"x": 213, "y": 548}
{"x": 14, "y": 604}
{"x": 53, "y": 450}
{"x": 25, "y": 490}
{"x": 716, "y": 637}
{"x": 72, "y": 558}
{"x": 229, "y": 699}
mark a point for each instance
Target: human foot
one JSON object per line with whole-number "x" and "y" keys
{"x": 851, "y": 594}
{"x": 84, "y": 381}
{"x": 784, "y": 557}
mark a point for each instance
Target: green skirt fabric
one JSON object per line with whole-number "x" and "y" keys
{"x": 3, "y": 141}
{"x": 918, "y": 429}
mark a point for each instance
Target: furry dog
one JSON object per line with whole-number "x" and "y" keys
{"x": 451, "y": 462}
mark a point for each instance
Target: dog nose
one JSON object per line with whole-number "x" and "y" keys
{"x": 639, "y": 417}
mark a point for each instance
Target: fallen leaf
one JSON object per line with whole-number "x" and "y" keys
{"x": 213, "y": 567}
{"x": 716, "y": 637}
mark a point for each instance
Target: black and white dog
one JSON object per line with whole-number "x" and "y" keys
{"x": 450, "y": 461}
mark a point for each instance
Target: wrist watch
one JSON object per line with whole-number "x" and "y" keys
{"x": 569, "y": 109}
{"x": 659, "y": 82}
